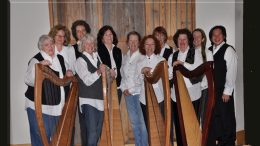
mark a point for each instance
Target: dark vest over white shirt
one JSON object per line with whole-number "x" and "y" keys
{"x": 50, "y": 92}
{"x": 93, "y": 91}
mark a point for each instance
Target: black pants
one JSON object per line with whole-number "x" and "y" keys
{"x": 223, "y": 123}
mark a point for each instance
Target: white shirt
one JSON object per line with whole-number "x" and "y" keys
{"x": 54, "y": 110}
{"x": 68, "y": 54}
{"x": 193, "y": 89}
{"x": 128, "y": 72}
{"x": 113, "y": 63}
{"x": 231, "y": 62}
{"x": 151, "y": 62}
{"x": 81, "y": 68}
{"x": 209, "y": 57}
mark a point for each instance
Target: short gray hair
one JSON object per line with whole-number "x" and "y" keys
{"x": 87, "y": 38}
{"x": 42, "y": 39}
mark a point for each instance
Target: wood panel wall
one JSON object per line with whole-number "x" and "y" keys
{"x": 139, "y": 15}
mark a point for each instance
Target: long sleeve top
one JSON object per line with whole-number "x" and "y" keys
{"x": 151, "y": 62}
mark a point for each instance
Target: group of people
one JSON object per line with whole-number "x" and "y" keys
{"x": 89, "y": 57}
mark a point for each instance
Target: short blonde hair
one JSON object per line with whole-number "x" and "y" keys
{"x": 87, "y": 38}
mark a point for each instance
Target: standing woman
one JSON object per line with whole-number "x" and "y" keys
{"x": 79, "y": 29}
{"x": 161, "y": 34}
{"x": 88, "y": 71}
{"x": 51, "y": 109}
{"x": 199, "y": 43}
{"x": 150, "y": 48}
{"x": 189, "y": 58}
{"x": 110, "y": 54}
{"x": 131, "y": 89}
{"x": 61, "y": 36}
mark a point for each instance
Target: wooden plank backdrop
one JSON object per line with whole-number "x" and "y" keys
{"x": 139, "y": 15}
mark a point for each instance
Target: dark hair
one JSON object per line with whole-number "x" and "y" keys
{"x": 183, "y": 31}
{"x": 204, "y": 42}
{"x": 156, "y": 42}
{"x": 223, "y": 30}
{"x": 54, "y": 30}
{"x": 133, "y": 33}
{"x": 161, "y": 30}
{"x": 101, "y": 34}
{"x": 77, "y": 23}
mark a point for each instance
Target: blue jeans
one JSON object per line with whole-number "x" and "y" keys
{"x": 50, "y": 123}
{"x": 137, "y": 120}
{"x": 93, "y": 120}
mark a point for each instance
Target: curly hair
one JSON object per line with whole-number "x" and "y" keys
{"x": 54, "y": 30}
{"x": 102, "y": 32}
{"x": 77, "y": 23}
{"x": 156, "y": 42}
{"x": 186, "y": 32}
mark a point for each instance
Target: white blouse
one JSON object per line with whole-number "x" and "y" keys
{"x": 151, "y": 62}
{"x": 128, "y": 72}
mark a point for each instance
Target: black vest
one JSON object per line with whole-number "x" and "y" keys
{"x": 50, "y": 92}
{"x": 105, "y": 58}
{"x": 167, "y": 52}
{"x": 189, "y": 59}
{"x": 77, "y": 53}
{"x": 220, "y": 67}
{"x": 93, "y": 91}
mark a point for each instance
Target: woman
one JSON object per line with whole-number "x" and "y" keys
{"x": 131, "y": 90}
{"x": 161, "y": 34}
{"x": 51, "y": 109}
{"x": 79, "y": 29}
{"x": 199, "y": 43}
{"x": 150, "y": 47}
{"x": 110, "y": 54}
{"x": 189, "y": 58}
{"x": 61, "y": 37}
{"x": 88, "y": 69}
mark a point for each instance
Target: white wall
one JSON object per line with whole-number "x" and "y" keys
{"x": 228, "y": 13}
{"x": 28, "y": 22}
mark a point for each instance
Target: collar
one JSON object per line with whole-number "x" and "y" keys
{"x": 46, "y": 56}
{"x": 216, "y": 48}
{"x": 151, "y": 57}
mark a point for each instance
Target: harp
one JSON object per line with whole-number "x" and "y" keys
{"x": 62, "y": 135}
{"x": 112, "y": 131}
{"x": 191, "y": 133}
{"x": 158, "y": 128}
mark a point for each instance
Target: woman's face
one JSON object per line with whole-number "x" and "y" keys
{"x": 149, "y": 46}
{"x": 89, "y": 47}
{"x": 108, "y": 37}
{"x": 48, "y": 47}
{"x": 59, "y": 37}
{"x": 183, "y": 42}
{"x": 133, "y": 43}
{"x": 160, "y": 37}
{"x": 197, "y": 39}
{"x": 80, "y": 31}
